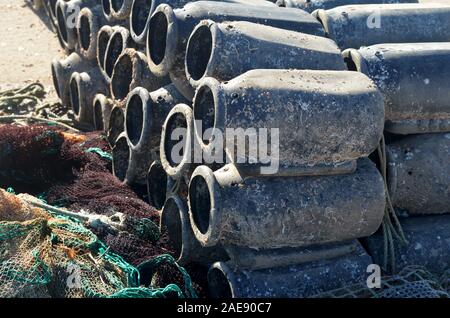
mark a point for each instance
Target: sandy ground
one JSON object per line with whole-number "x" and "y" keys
{"x": 27, "y": 46}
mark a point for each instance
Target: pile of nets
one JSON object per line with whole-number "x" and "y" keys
{"x": 28, "y": 105}
{"x": 44, "y": 254}
{"x": 72, "y": 171}
{"x": 410, "y": 282}
{"x": 34, "y": 157}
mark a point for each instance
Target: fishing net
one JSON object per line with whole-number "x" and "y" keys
{"x": 411, "y": 282}
{"x": 33, "y": 157}
{"x": 164, "y": 268}
{"x": 73, "y": 171}
{"x": 134, "y": 249}
{"x": 43, "y": 254}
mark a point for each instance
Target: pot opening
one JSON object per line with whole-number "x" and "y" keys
{"x": 134, "y": 120}
{"x": 156, "y": 37}
{"x": 55, "y": 80}
{"x": 62, "y": 28}
{"x": 171, "y": 223}
{"x": 176, "y": 131}
{"x": 74, "y": 96}
{"x": 122, "y": 77}
{"x": 116, "y": 124}
{"x": 106, "y": 7}
{"x": 98, "y": 115}
{"x": 85, "y": 32}
{"x": 52, "y": 7}
{"x": 115, "y": 48}
{"x": 102, "y": 44}
{"x": 116, "y": 5}
{"x": 157, "y": 185}
{"x": 199, "y": 52}
{"x": 200, "y": 202}
{"x": 139, "y": 15}
{"x": 121, "y": 157}
{"x": 204, "y": 111}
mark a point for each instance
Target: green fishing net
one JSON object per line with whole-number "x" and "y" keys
{"x": 43, "y": 254}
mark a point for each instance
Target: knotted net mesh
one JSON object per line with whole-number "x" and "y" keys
{"x": 410, "y": 282}
{"x": 47, "y": 255}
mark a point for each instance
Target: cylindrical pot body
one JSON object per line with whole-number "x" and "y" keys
{"x": 228, "y": 49}
{"x": 169, "y": 30}
{"x": 354, "y": 26}
{"x": 419, "y": 173}
{"x": 130, "y": 71}
{"x": 285, "y": 211}
{"x": 319, "y": 122}
{"x": 295, "y": 281}
{"x": 414, "y": 79}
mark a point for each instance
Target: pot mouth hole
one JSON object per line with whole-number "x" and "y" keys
{"x": 134, "y": 120}
{"x": 116, "y": 5}
{"x": 106, "y": 6}
{"x": 61, "y": 23}
{"x": 156, "y": 186}
{"x": 85, "y": 32}
{"x": 176, "y": 127}
{"x": 74, "y": 96}
{"x": 171, "y": 223}
{"x": 121, "y": 156}
{"x": 98, "y": 115}
{"x": 139, "y": 15}
{"x": 116, "y": 124}
{"x": 52, "y": 7}
{"x": 157, "y": 36}
{"x": 204, "y": 112}
{"x": 200, "y": 203}
{"x": 115, "y": 48}
{"x": 102, "y": 44}
{"x": 199, "y": 52}
{"x": 55, "y": 80}
{"x": 122, "y": 76}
